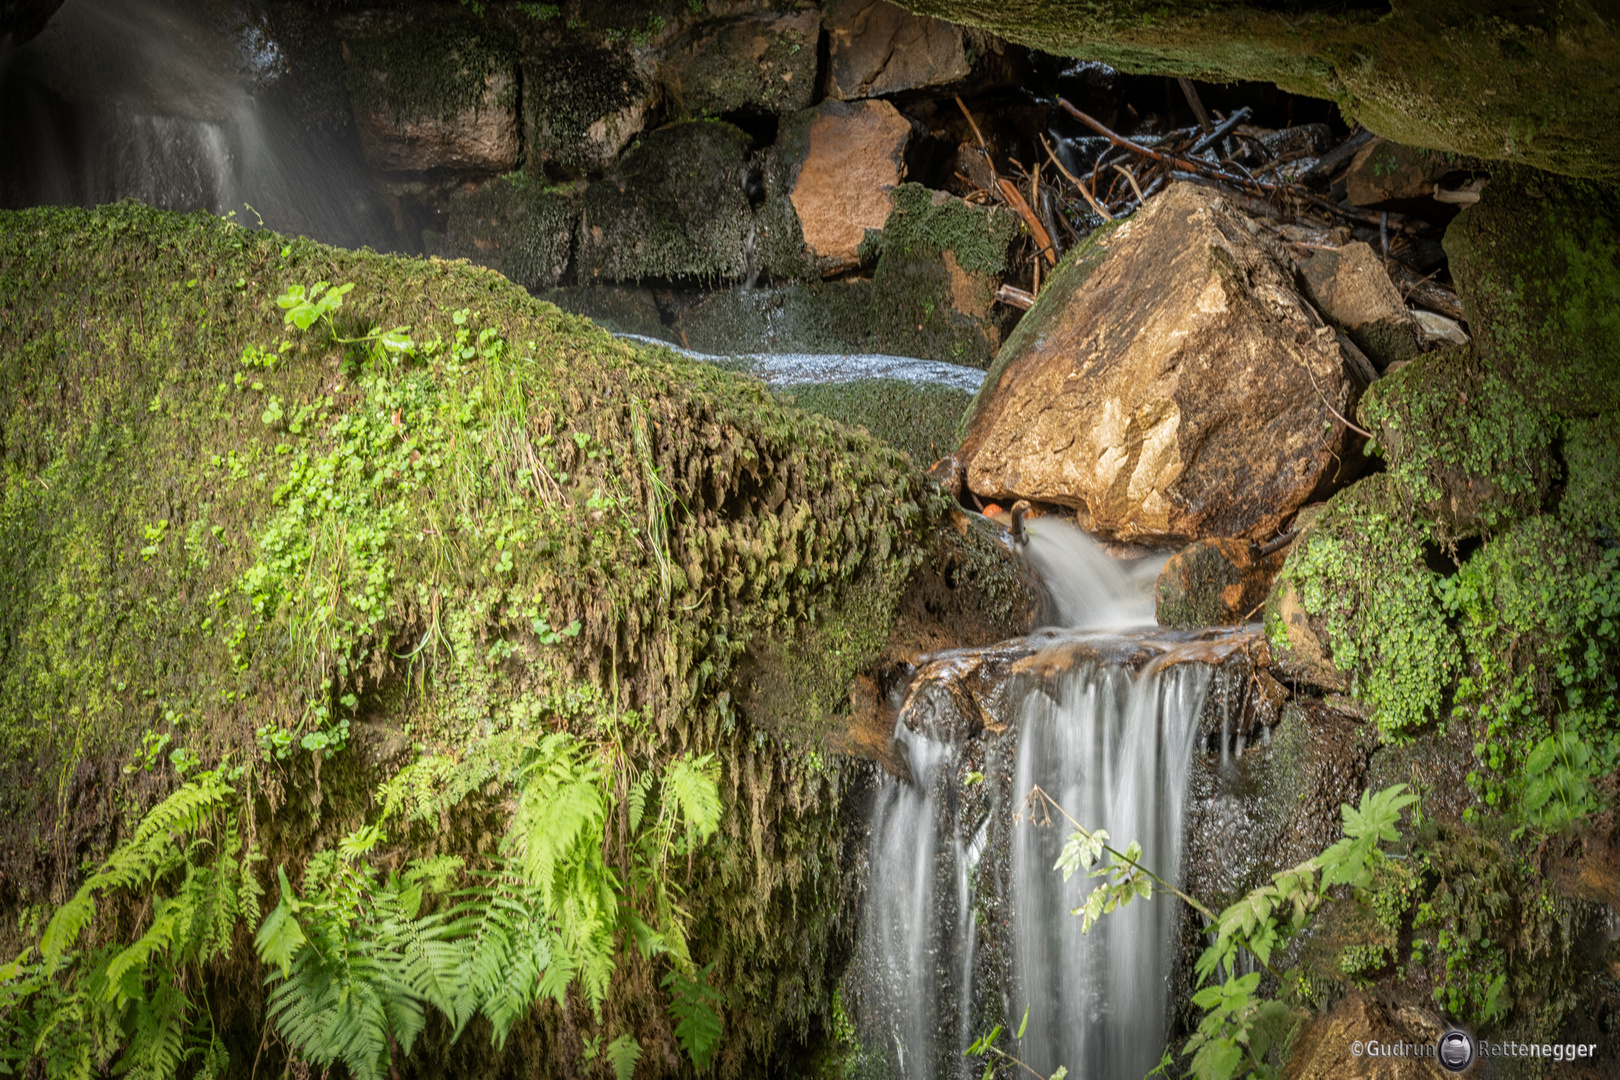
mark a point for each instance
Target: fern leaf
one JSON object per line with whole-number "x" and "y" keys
{"x": 698, "y": 1026}
{"x": 66, "y": 926}
{"x": 693, "y": 784}
{"x": 622, "y": 1055}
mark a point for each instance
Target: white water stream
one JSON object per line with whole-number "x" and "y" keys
{"x": 965, "y": 920}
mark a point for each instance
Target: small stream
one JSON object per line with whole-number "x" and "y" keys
{"x": 965, "y": 922}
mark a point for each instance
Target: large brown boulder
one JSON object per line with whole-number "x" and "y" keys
{"x": 1169, "y": 384}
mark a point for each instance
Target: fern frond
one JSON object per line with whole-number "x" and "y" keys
{"x": 693, "y": 786}
{"x": 622, "y": 1055}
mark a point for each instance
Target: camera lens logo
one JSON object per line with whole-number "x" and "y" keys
{"x": 1455, "y": 1050}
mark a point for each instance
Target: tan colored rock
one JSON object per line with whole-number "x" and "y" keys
{"x": 878, "y": 48}
{"x": 1385, "y": 175}
{"x": 1326, "y": 1049}
{"x": 1169, "y": 383}
{"x": 855, "y": 158}
{"x": 1351, "y": 287}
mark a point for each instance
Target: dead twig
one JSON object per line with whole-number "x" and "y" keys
{"x": 1191, "y": 93}
{"x": 1095, "y": 205}
{"x": 1123, "y": 171}
{"x": 977, "y": 134}
{"x": 1009, "y": 191}
{"x": 1013, "y": 296}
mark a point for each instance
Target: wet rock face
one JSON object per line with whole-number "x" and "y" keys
{"x": 1170, "y": 384}
{"x": 764, "y": 61}
{"x": 1353, "y": 290}
{"x": 433, "y": 96}
{"x": 1323, "y": 1049}
{"x": 853, "y": 160}
{"x": 877, "y": 48}
{"x": 515, "y": 226}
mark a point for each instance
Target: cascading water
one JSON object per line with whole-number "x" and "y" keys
{"x": 183, "y": 107}
{"x": 965, "y": 921}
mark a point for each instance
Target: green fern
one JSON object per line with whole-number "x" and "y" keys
{"x": 622, "y": 1055}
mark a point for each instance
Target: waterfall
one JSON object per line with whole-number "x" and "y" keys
{"x": 183, "y": 107}
{"x": 964, "y": 921}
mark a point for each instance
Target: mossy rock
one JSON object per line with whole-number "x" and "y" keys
{"x": 623, "y": 309}
{"x": 762, "y": 62}
{"x": 917, "y": 418}
{"x": 1592, "y": 463}
{"x": 780, "y": 242}
{"x": 674, "y": 206}
{"x": 1494, "y": 79}
{"x": 1463, "y": 441}
{"x": 583, "y": 101}
{"x": 1356, "y": 593}
{"x": 940, "y": 262}
{"x": 1537, "y": 264}
{"x": 216, "y": 528}
{"x": 819, "y": 317}
{"x": 515, "y": 226}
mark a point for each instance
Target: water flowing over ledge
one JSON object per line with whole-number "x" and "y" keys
{"x": 965, "y": 922}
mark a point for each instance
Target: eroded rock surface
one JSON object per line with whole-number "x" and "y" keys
{"x": 1169, "y": 384}
{"x": 582, "y": 104}
{"x": 853, "y": 160}
{"x": 1213, "y": 582}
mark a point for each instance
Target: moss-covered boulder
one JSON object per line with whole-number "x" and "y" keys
{"x": 674, "y": 206}
{"x": 1357, "y": 607}
{"x": 764, "y": 62}
{"x": 515, "y": 225}
{"x": 583, "y": 102}
{"x": 1463, "y": 441}
{"x": 940, "y": 262}
{"x": 323, "y": 555}
{"x": 433, "y": 91}
{"x": 1537, "y": 264}
{"x": 1495, "y": 79}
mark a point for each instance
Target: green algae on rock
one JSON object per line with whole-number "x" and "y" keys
{"x": 241, "y": 537}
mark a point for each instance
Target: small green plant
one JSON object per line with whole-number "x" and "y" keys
{"x": 1239, "y": 1027}
{"x": 985, "y": 1046}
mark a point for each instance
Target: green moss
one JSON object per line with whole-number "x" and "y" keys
{"x": 571, "y": 85}
{"x": 938, "y": 265}
{"x": 1360, "y": 575}
{"x": 1592, "y": 461}
{"x": 218, "y": 529}
{"x": 819, "y": 317}
{"x": 516, "y": 227}
{"x": 1488, "y": 79}
{"x": 674, "y": 207}
{"x": 1537, "y": 263}
{"x": 436, "y": 67}
{"x": 749, "y": 62}
{"x": 917, "y": 418}
{"x": 1462, "y": 440}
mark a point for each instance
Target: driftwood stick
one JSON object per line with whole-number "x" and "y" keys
{"x": 1095, "y": 205}
{"x": 1009, "y": 191}
{"x": 1221, "y": 132}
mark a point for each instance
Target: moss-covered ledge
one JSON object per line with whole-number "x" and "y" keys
{"x": 1491, "y": 78}
{"x": 327, "y": 559}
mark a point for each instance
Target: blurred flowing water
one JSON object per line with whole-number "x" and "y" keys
{"x": 183, "y": 106}
{"x": 965, "y": 922}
